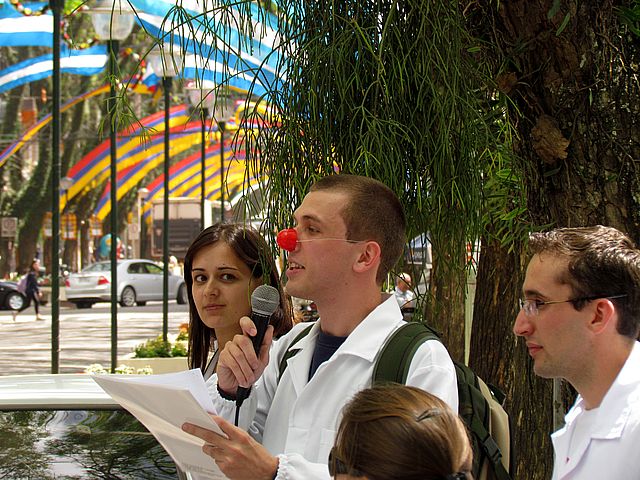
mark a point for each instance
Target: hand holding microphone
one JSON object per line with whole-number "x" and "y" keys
{"x": 265, "y": 300}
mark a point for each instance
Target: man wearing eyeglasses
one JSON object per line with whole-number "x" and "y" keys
{"x": 580, "y": 318}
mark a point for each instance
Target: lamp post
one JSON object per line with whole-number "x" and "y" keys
{"x": 167, "y": 63}
{"x": 204, "y": 100}
{"x": 56, "y": 9}
{"x": 112, "y": 20}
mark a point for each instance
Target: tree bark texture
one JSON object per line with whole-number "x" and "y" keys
{"x": 577, "y": 92}
{"x": 445, "y": 304}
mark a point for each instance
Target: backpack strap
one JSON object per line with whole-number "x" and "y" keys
{"x": 292, "y": 352}
{"x": 490, "y": 448}
{"x": 395, "y": 357}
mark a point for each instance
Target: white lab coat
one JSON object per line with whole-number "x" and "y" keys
{"x": 610, "y": 449}
{"x": 296, "y": 419}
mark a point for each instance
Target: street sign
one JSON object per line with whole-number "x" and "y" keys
{"x": 9, "y": 227}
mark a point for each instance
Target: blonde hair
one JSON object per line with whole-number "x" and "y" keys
{"x": 401, "y": 432}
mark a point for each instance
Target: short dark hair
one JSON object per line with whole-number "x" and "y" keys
{"x": 373, "y": 213}
{"x": 252, "y": 249}
{"x": 383, "y": 427}
{"x": 602, "y": 262}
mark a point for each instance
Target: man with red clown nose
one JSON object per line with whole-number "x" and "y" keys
{"x": 349, "y": 233}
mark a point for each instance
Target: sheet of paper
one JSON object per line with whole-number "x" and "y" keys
{"x": 162, "y": 403}
{"x": 191, "y": 379}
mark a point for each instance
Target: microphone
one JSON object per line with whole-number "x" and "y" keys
{"x": 265, "y": 300}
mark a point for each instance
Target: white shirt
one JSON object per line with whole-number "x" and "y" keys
{"x": 609, "y": 448}
{"x": 296, "y": 418}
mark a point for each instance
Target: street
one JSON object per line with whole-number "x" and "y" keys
{"x": 85, "y": 336}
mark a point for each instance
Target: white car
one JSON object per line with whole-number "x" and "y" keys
{"x": 66, "y": 426}
{"x": 139, "y": 281}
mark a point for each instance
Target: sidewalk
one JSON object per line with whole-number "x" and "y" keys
{"x": 84, "y": 337}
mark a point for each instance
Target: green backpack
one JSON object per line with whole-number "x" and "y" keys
{"x": 479, "y": 406}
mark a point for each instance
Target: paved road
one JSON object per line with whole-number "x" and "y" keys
{"x": 85, "y": 336}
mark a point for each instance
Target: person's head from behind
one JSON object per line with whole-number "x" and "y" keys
{"x": 397, "y": 432}
{"x": 582, "y": 286}
{"x": 403, "y": 282}
{"x": 222, "y": 267}
{"x": 371, "y": 211}
{"x": 35, "y": 265}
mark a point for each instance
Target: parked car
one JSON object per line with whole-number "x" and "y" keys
{"x": 139, "y": 281}
{"x": 66, "y": 426}
{"x": 10, "y": 297}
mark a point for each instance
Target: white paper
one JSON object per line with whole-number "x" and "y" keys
{"x": 162, "y": 403}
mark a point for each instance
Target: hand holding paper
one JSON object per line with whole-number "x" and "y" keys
{"x": 238, "y": 455}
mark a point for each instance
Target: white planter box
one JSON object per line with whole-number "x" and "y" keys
{"x": 157, "y": 364}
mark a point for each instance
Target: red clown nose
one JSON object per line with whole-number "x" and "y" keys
{"x": 287, "y": 239}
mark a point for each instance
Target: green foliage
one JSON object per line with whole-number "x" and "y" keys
{"x": 506, "y": 210}
{"x": 183, "y": 336}
{"x": 390, "y": 90}
{"x": 179, "y": 350}
{"x": 157, "y": 347}
{"x": 71, "y": 6}
{"x": 630, "y": 16}
{"x": 153, "y": 348}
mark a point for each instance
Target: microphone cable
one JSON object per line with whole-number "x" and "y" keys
{"x": 235, "y": 422}
{"x": 241, "y": 396}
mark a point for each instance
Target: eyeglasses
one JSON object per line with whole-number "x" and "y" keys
{"x": 338, "y": 467}
{"x": 531, "y": 307}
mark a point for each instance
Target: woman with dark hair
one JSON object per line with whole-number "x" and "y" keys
{"x": 222, "y": 268}
{"x": 398, "y": 432}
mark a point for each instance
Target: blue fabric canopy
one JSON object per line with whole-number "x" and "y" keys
{"x": 80, "y": 62}
{"x": 18, "y": 30}
{"x": 221, "y": 53}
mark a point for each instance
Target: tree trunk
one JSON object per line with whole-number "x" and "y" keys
{"x": 8, "y": 130}
{"x": 499, "y": 359}
{"x": 32, "y": 205}
{"x": 445, "y": 305}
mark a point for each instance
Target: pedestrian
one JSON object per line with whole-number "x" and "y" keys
{"x": 222, "y": 267}
{"x": 396, "y": 432}
{"x": 174, "y": 266}
{"x": 340, "y": 256}
{"x": 405, "y": 296}
{"x": 580, "y": 319}
{"x": 32, "y": 290}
